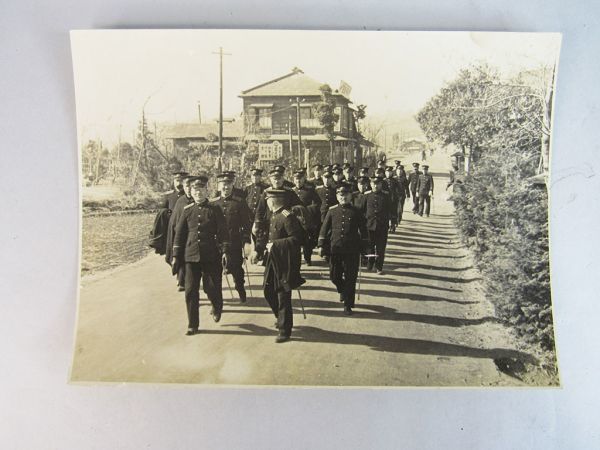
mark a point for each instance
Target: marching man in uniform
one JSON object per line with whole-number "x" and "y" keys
{"x": 377, "y": 210}
{"x": 172, "y": 197}
{"x": 394, "y": 190}
{"x": 312, "y": 202}
{"x": 253, "y": 192}
{"x": 238, "y": 219}
{"x": 344, "y": 235}
{"x": 413, "y": 177}
{"x": 317, "y": 179}
{"x": 349, "y": 176}
{"x": 262, "y": 214}
{"x": 201, "y": 245}
{"x": 282, "y": 267}
{"x": 181, "y": 203}
{"x": 358, "y": 197}
{"x": 404, "y": 190}
{"x": 425, "y": 190}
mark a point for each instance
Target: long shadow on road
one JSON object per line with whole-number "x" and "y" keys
{"x": 305, "y": 333}
{"x": 403, "y": 345}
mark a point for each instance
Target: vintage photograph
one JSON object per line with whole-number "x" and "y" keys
{"x": 315, "y": 208}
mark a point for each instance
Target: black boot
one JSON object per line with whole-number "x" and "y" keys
{"x": 242, "y": 293}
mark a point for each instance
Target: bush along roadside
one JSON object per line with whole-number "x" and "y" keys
{"x": 502, "y": 127}
{"x": 503, "y": 220}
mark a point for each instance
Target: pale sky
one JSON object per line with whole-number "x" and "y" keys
{"x": 116, "y": 71}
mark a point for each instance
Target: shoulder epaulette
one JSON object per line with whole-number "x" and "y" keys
{"x": 384, "y": 191}
{"x": 368, "y": 192}
{"x": 286, "y": 212}
{"x": 214, "y": 199}
{"x": 334, "y": 206}
{"x": 321, "y": 186}
{"x": 187, "y": 206}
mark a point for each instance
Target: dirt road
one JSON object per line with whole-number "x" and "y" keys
{"x": 425, "y": 322}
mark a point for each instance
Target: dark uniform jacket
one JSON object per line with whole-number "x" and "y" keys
{"x": 403, "y": 182}
{"x": 283, "y": 259}
{"x": 328, "y": 198}
{"x": 344, "y": 230}
{"x": 171, "y": 200}
{"x": 311, "y": 200}
{"x": 235, "y": 191}
{"x": 201, "y": 233}
{"x": 238, "y": 219}
{"x": 377, "y": 209}
{"x": 393, "y": 189}
{"x": 316, "y": 181}
{"x": 358, "y": 199}
{"x": 252, "y": 194}
{"x": 158, "y": 233}
{"x": 183, "y": 201}
{"x": 336, "y": 184}
{"x": 424, "y": 184}
{"x": 413, "y": 177}
{"x": 353, "y": 182}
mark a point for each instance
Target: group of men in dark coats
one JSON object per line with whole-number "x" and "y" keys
{"x": 347, "y": 217}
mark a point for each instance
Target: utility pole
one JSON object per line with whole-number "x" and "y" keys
{"x": 290, "y": 133}
{"x": 298, "y": 124}
{"x": 220, "y": 53}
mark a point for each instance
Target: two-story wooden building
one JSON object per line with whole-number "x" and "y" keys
{"x": 270, "y": 123}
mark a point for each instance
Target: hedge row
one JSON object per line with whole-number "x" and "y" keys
{"x": 503, "y": 217}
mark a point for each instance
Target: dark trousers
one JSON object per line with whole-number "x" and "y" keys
{"x": 378, "y": 242}
{"x": 424, "y": 204}
{"x": 415, "y": 201}
{"x": 235, "y": 266}
{"x": 213, "y": 278}
{"x": 343, "y": 272}
{"x": 281, "y": 305}
{"x": 181, "y": 277}
{"x": 394, "y": 217}
{"x": 310, "y": 244}
{"x": 400, "y": 209}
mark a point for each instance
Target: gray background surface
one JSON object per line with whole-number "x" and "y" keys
{"x": 39, "y": 229}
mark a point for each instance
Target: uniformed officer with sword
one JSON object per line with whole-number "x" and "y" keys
{"x": 344, "y": 236}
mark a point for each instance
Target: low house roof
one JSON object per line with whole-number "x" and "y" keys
{"x": 231, "y": 130}
{"x": 292, "y": 84}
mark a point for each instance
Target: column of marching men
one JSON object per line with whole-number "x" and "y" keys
{"x": 346, "y": 217}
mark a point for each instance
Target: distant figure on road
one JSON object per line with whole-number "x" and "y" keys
{"x": 201, "y": 244}
{"x": 377, "y": 209}
{"x": 425, "y": 190}
{"x": 413, "y": 177}
{"x": 344, "y": 235}
{"x": 282, "y": 267}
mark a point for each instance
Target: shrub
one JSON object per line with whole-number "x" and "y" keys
{"x": 503, "y": 219}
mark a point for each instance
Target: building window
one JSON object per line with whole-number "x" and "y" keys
{"x": 307, "y": 118}
{"x": 338, "y": 124}
{"x": 264, "y": 118}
